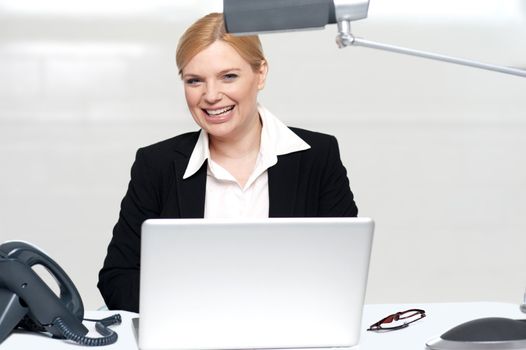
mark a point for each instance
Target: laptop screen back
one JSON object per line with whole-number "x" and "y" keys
{"x": 276, "y": 283}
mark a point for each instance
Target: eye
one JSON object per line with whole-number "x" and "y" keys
{"x": 192, "y": 81}
{"x": 230, "y": 76}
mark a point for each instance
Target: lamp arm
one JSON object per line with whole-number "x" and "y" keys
{"x": 346, "y": 39}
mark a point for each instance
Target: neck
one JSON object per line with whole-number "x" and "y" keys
{"x": 237, "y": 148}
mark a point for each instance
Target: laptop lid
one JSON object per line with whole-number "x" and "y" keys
{"x": 274, "y": 283}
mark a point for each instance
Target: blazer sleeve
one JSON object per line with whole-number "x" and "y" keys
{"x": 336, "y": 198}
{"x": 119, "y": 277}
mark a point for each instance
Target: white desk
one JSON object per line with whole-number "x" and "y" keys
{"x": 440, "y": 318}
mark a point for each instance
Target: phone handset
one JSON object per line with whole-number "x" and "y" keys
{"x": 26, "y": 301}
{"x": 30, "y": 255}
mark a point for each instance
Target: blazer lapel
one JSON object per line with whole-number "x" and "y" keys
{"x": 190, "y": 191}
{"x": 282, "y": 185}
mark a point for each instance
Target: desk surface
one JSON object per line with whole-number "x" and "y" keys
{"x": 440, "y": 318}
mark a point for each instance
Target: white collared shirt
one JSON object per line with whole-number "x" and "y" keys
{"x": 224, "y": 197}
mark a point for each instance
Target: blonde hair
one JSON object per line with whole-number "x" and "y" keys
{"x": 210, "y": 28}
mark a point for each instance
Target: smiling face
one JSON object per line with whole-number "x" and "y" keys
{"x": 221, "y": 91}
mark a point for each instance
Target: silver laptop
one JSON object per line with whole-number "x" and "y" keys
{"x": 269, "y": 284}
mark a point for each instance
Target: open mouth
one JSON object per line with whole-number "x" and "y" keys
{"x": 219, "y": 111}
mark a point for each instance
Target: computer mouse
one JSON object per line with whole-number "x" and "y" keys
{"x": 483, "y": 333}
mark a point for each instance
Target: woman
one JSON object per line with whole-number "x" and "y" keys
{"x": 242, "y": 163}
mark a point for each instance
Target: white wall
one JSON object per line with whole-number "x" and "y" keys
{"x": 434, "y": 151}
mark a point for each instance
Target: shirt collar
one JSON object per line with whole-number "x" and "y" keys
{"x": 276, "y": 139}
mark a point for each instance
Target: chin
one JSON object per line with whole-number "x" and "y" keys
{"x": 220, "y": 131}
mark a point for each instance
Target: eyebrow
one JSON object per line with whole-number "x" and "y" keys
{"x": 193, "y": 75}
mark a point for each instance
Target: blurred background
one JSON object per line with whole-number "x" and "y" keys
{"x": 434, "y": 151}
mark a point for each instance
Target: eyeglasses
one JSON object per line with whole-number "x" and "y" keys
{"x": 398, "y": 320}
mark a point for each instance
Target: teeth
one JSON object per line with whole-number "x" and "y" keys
{"x": 219, "y": 111}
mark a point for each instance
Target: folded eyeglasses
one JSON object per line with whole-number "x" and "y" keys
{"x": 398, "y": 320}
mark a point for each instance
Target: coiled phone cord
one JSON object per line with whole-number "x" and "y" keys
{"x": 108, "y": 336}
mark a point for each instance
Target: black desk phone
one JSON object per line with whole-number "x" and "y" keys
{"x": 27, "y": 302}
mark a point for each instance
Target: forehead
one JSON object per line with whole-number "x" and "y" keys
{"x": 215, "y": 58}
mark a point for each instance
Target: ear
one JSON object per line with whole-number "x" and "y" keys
{"x": 262, "y": 75}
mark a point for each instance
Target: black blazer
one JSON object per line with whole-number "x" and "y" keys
{"x": 309, "y": 183}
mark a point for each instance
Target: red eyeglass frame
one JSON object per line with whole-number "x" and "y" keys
{"x": 401, "y": 315}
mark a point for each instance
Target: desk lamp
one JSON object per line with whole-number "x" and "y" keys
{"x": 262, "y": 16}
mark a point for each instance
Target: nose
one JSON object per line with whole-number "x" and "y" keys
{"x": 212, "y": 93}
